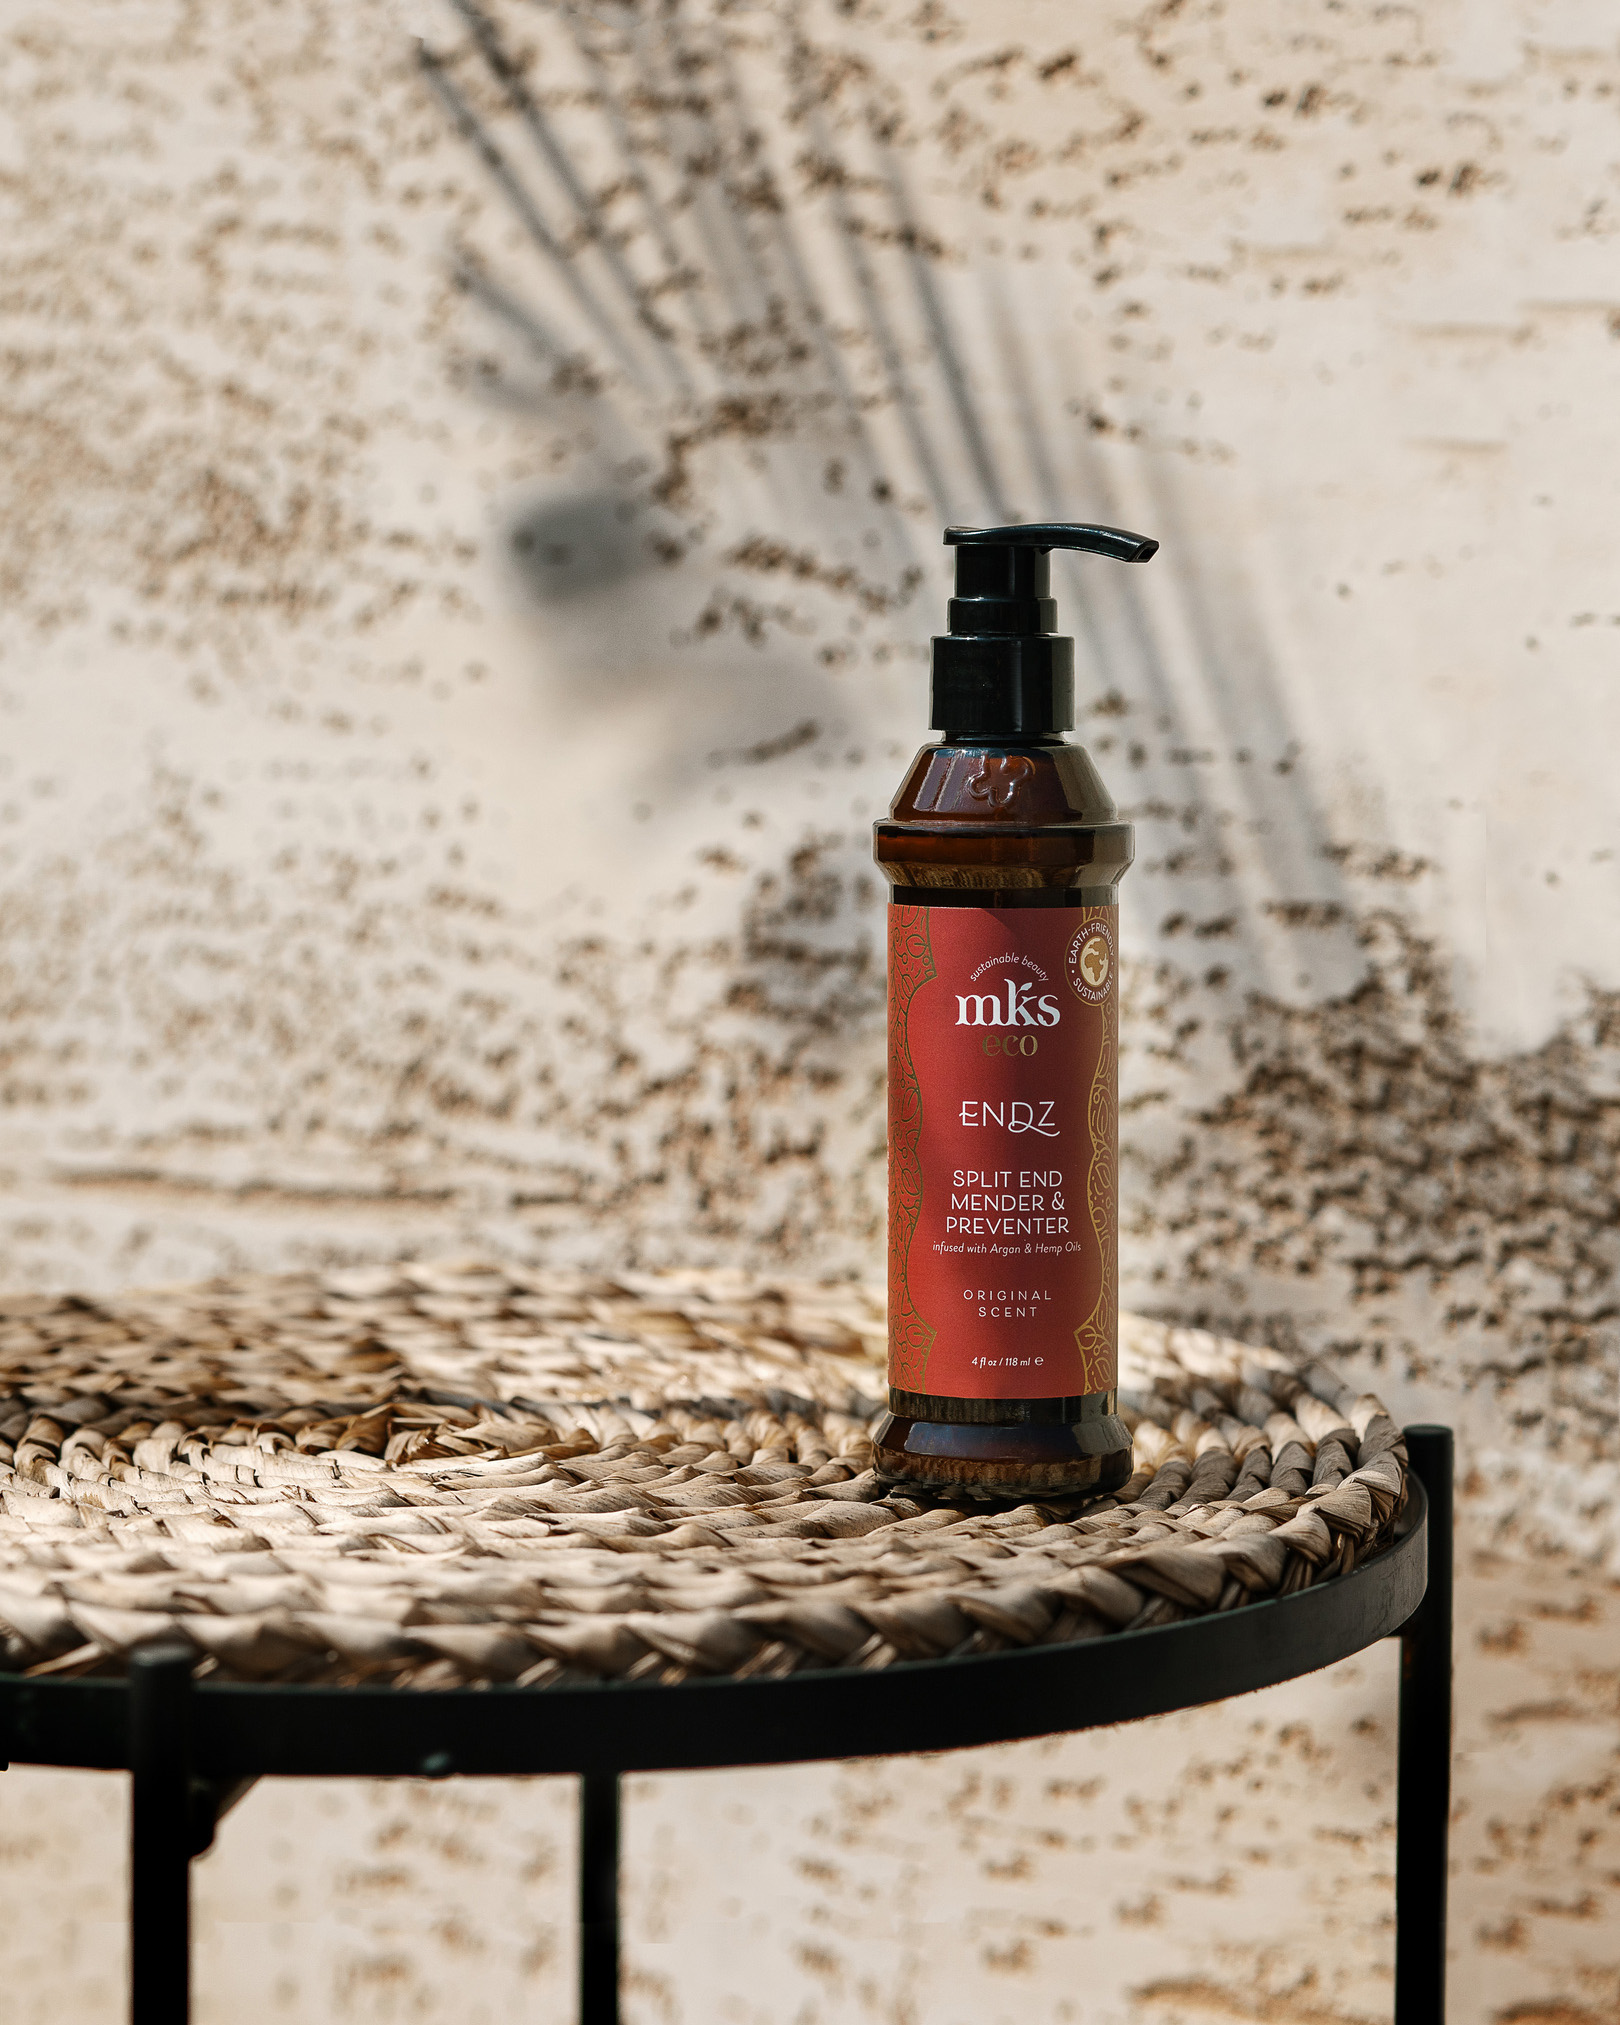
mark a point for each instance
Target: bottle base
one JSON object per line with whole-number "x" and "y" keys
{"x": 1002, "y": 1459}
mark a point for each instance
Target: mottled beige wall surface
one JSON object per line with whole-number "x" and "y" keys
{"x": 469, "y": 538}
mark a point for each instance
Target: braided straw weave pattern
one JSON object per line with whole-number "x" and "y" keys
{"x": 438, "y": 1475}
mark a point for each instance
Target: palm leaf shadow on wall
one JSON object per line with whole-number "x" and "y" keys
{"x": 726, "y": 297}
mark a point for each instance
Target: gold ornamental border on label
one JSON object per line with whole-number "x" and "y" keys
{"x": 911, "y": 966}
{"x": 1096, "y": 1339}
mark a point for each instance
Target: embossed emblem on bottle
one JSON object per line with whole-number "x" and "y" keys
{"x": 998, "y": 778}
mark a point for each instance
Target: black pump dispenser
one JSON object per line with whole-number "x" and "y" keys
{"x": 1002, "y": 671}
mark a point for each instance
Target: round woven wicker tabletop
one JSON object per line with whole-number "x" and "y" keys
{"x": 461, "y": 1476}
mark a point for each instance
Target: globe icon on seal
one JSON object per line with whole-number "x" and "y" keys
{"x": 1088, "y": 963}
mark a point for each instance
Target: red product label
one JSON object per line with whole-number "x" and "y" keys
{"x": 1003, "y": 1151}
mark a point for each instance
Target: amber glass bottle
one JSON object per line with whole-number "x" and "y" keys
{"x": 1003, "y": 853}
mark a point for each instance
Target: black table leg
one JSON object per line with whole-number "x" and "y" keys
{"x": 1423, "y": 1798}
{"x": 599, "y": 1898}
{"x": 161, "y": 1835}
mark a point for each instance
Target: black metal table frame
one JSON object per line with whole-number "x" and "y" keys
{"x": 195, "y": 1748}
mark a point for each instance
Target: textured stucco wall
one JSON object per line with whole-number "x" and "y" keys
{"x": 470, "y": 535}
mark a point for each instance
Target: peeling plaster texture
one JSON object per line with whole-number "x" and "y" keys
{"x": 472, "y": 483}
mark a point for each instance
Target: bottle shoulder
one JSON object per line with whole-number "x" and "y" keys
{"x": 1037, "y": 786}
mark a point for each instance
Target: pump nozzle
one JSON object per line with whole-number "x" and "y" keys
{"x": 1117, "y": 543}
{"x": 1001, "y": 670}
